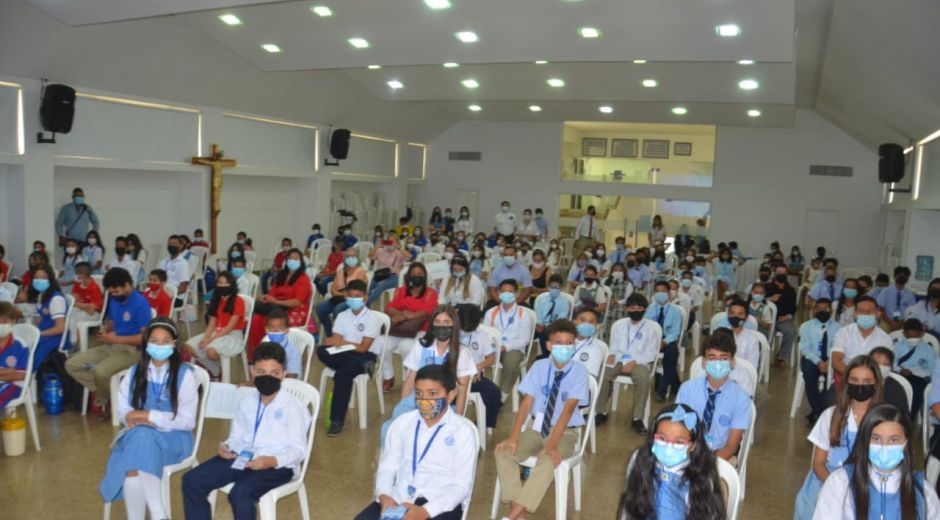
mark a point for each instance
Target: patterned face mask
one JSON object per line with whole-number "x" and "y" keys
{"x": 431, "y": 408}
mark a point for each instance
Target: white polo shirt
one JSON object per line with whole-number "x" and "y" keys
{"x": 851, "y": 343}
{"x": 588, "y": 352}
{"x": 353, "y": 327}
{"x": 748, "y": 346}
{"x": 479, "y": 344}
{"x": 177, "y": 270}
{"x": 505, "y": 223}
{"x": 635, "y": 342}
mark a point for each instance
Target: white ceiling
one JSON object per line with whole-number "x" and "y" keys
{"x": 84, "y": 12}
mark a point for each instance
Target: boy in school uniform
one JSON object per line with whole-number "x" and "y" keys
{"x": 238, "y": 270}
{"x": 669, "y": 317}
{"x": 158, "y": 298}
{"x": 277, "y": 331}
{"x": 553, "y": 390}
{"x": 816, "y": 339}
{"x": 747, "y": 347}
{"x": 514, "y": 326}
{"x": 357, "y": 326}
{"x": 549, "y": 309}
{"x": 858, "y": 338}
{"x": 915, "y": 359}
{"x": 176, "y": 267}
{"x": 634, "y": 344}
{"x": 88, "y": 300}
{"x": 720, "y": 402}
{"x": 587, "y": 351}
{"x": 895, "y": 299}
{"x": 264, "y": 449}
{"x": 429, "y": 457}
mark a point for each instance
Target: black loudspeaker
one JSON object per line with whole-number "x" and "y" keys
{"x": 890, "y": 163}
{"x": 339, "y": 143}
{"x": 57, "y": 108}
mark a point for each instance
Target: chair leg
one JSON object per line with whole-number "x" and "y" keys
{"x": 494, "y": 510}
{"x": 107, "y": 511}
{"x": 797, "y": 396}
{"x": 481, "y": 423}
{"x": 323, "y": 377}
{"x": 212, "y": 497}
{"x": 226, "y": 364}
{"x": 304, "y": 505}
{"x": 31, "y": 417}
{"x": 614, "y": 399}
{"x": 378, "y": 392}
{"x": 360, "y": 389}
{"x": 576, "y": 481}
{"x": 593, "y": 440}
{"x": 267, "y": 507}
{"x": 561, "y": 493}
{"x": 245, "y": 364}
{"x": 515, "y": 397}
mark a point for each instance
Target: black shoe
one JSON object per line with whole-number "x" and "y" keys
{"x": 334, "y": 429}
{"x": 639, "y": 427}
{"x": 659, "y": 397}
{"x": 600, "y": 419}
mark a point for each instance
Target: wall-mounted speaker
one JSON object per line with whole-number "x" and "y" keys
{"x": 890, "y": 163}
{"x": 339, "y": 143}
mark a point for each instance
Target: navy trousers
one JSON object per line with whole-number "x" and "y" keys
{"x": 492, "y": 399}
{"x": 250, "y": 486}
{"x": 346, "y": 365}
{"x": 374, "y": 512}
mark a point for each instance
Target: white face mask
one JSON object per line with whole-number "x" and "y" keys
{"x": 6, "y": 329}
{"x": 538, "y": 265}
{"x": 92, "y": 241}
{"x": 913, "y": 341}
{"x": 885, "y": 370}
{"x": 70, "y": 250}
{"x": 617, "y": 275}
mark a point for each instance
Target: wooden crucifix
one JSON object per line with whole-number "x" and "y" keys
{"x": 217, "y": 163}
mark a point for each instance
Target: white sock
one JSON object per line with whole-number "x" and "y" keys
{"x": 134, "y": 500}
{"x": 151, "y": 487}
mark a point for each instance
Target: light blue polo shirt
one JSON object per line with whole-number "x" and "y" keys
{"x": 831, "y": 291}
{"x": 732, "y": 408}
{"x": 517, "y": 272}
{"x": 811, "y": 334}
{"x": 672, "y": 320}
{"x": 894, "y": 302}
{"x": 934, "y": 396}
{"x": 538, "y": 383}
{"x": 543, "y": 305}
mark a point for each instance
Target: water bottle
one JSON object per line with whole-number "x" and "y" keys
{"x": 52, "y": 394}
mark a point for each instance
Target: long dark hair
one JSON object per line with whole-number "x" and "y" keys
{"x": 139, "y": 388}
{"x": 859, "y": 484}
{"x": 638, "y": 499}
{"x": 133, "y": 239}
{"x": 408, "y": 286}
{"x": 33, "y": 296}
{"x": 286, "y": 276}
{"x": 217, "y": 298}
{"x": 453, "y": 347}
{"x": 842, "y": 297}
{"x": 844, "y": 402}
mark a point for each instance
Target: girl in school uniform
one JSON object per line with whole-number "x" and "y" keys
{"x": 461, "y": 286}
{"x": 480, "y": 265}
{"x": 835, "y": 432}
{"x": 14, "y": 355}
{"x": 758, "y": 308}
{"x": 620, "y": 288}
{"x": 50, "y": 309}
{"x": 72, "y": 258}
{"x": 481, "y": 347}
{"x": 94, "y": 252}
{"x": 725, "y": 267}
{"x": 157, "y": 403}
{"x": 845, "y": 307}
{"x": 223, "y": 337}
{"x": 878, "y": 480}
{"x": 674, "y": 475}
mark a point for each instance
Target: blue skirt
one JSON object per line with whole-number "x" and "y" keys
{"x": 143, "y": 448}
{"x": 806, "y": 499}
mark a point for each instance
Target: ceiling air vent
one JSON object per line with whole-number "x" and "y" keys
{"x": 830, "y": 171}
{"x": 465, "y": 156}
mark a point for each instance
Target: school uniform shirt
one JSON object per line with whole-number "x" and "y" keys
{"x": 93, "y": 255}
{"x": 934, "y": 396}
{"x": 505, "y": 223}
{"x": 732, "y": 408}
{"x": 743, "y": 378}
{"x": 130, "y": 316}
{"x": 354, "y": 327}
{"x": 846, "y": 314}
{"x": 587, "y": 351}
{"x": 58, "y": 307}
{"x": 829, "y": 290}
{"x": 748, "y": 345}
{"x": 542, "y": 225}
{"x": 576, "y": 272}
{"x": 446, "y": 460}
{"x": 619, "y": 256}
{"x": 513, "y": 325}
{"x": 292, "y": 357}
{"x": 244, "y": 285}
{"x": 894, "y": 302}
{"x": 672, "y": 320}
{"x": 928, "y": 316}
{"x": 464, "y": 224}
{"x": 516, "y": 271}
{"x": 14, "y": 354}
{"x": 478, "y": 343}
{"x": 682, "y": 300}
{"x": 836, "y": 503}
{"x": 527, "y": 229}
{"x": 177, "y": 270}
{"x": 68, "y": 266}
{"x": 850, "y": 342}
{"x": 921, "y": 362}
{"x": 587, "y": 228}
{"x": 127, "y": 263}
{"x": 639, "y": 275}
{"x": 548, "y": 309}
{"x": 91, "y": 294}
{"x": 811, "y": 336}
{"x": 420, "y": 356}
{"x": 159, "y": 302}
{"x": 187, "y": 400}
{"x": 455, "y": 296}
{"x": 277, "y": 430}
{"x": 635, "y": 341}
{"x": 696, "y": 294}
{"x": 585, "y": 291}
{"x": 574, "y": 385}
{"x": 819, "y": 436}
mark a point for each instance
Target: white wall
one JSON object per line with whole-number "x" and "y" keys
{"x": 762, "y": 187}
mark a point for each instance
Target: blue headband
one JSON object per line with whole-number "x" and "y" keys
{"x": 690, "y": 419}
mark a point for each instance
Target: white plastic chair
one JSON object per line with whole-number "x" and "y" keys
{"x": 305, "y": 341}
{"x": 746, "y": 442}
{"x": 741, "y": 366}
{"x": 10, "y": 288}
{"x": 906, "y": 385}
{"x": 267, "y": 506}
{"x": 605, "y": 351}
{"x": 474, "y": 398}
{"x": 625, "y": 380}
{"x": 197, "y": 263}
{"x": 763, "y": 372}
{"x": 571, "y": 464}
{"x": 85, "y": 325}
{"x": 524, "y": 366}
{"x": 70, "y": 307}
{"x": 29, "y": 335}
{"x": 729, "y": 475}
{"x": 361, "y": 382}
{"x": 225, "y": 361}
{"x": 426, "y": 258}
{"x": 254, "y": 281}
{"x": 898, "y": 335}
{"x": 926, "y": 419}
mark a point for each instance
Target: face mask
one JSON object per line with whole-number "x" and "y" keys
{"x": 885, "y": 370}
{"x": 40, "y": 284}
{"x": 431, "y": 408}
{"x": 448, "y": 255}
{"x": 617, "y": 275}
{"x": 417, "y": 281}
{"x": 636, "y": 315}
{"x": 267, "y": 385}
{"x": 669, "y": 455}
{"x": 464, "y": 214}
{"x": 232, "y": 254}
{"x": 685, "y": 282}
{"x": 913, "y": 341}
{"x": 589, "y": 280}
{"x": 159, "y": 352}
{"x": 934, "y": 292}
{"x": 5, "y": 329}
{"x": 476, "y": 254}
{"x": 661, "y": 298}
{"x": 448, "y": 214}
{"x": 735, "y": 321}
{"x": 507, "y": 297}
{"x": 509, "y": 260}
{"x": 241, "y": 241}
{"x": 355, "y": 303}
{"x": 830, "y": 278}
{"x": 351, "y": 261}
{"x": 347, "y": 232}
{"x": 293, "y": 264}
{"x": 555, "y": 246}
{"x": 886, "y": 457}
{"x": 79, "y": 200}
{"x": 757, "y": 297}
{"x": 865, "y": 321}
{"x": 316, "y": 231}
{"x": 173, "y": 250}
{"x": 860, "y": 392}
{"x": 850, "y": 293}
{"x": 562, "y": 353}
{"x": 631, "y": 264}
{"x": 504, "y": 209}
{"x": 589, "y": 254}
{"x": 718, "y": 369}
{"x": 224, "y": 291}
{"x": 586, "y": 330}
{"x": 277, "y": 337}
{"x": 823, "y": 316}
{"x": 92, "y": 241}
{"x": 601, "y": 252}
{"x": 442, "y": 332}
{"x": 238, "y": 272}
{"x": 538, "y": 265}
{"x": 120, "y": 251}
{"x": 764, "y": 277}
{"x": 780, "y": 278}
{"x": 900, "y": 280}
{"x": 690, "y": 259}
{"x": 554, "y": 292}
{"x": 70, "y": 250}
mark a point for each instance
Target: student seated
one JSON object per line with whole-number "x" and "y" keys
{"x": 549, "y": 309}
{"x": 669, "y": 317}
{"x": 223, "y": 337}
{"x": 290, "y": 293}
{"x": 265, "y": 447}
{"x": 277, "y": 331}
{"x": 409, "y": 310}
{"x": 858, "y": 338}
{"x": 830, "y": 287}
{"x": 553, "y": 389}
{"x": 72, "y": 257}
{"x": 279, "y": 258}
{"x": 88, "y": 300}
{"x": 893, "y": 391}
{"x": 844, "y": 307}
{"x": 429, "y": 457}
{"x": 357, "y": 326}
{"x": 724, "y": 407}
{"x": 128, "y": 314}
{"x": 157, "y": 403}
{"x": 915, "y": 360}
{"x": 461, "y": 286}
{"x": 589, "y": 295}
{"x": 480, "y": 345}
{"x": 314, "y": 235}
{"x": 238, "y": 270}
{"x": 587, "y": 351}
{"x": 514, "y": 327}
{"x": 674, "y": 475}
{"x": 634, "y": 344}
{"x": 894, "y": 300}
{"x": 156, "y": 296}
{"x": 49, "y": 311}
{"x": 14, "y": 355}
{"x": 93, "y": 252}
{"x": 889, "y": 487}
{"x": 816, "y": 339}
{"x": 833, "y": 435}
{"x": 176, "y": 267}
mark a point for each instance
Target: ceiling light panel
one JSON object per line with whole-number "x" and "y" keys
{"x": 230, "y": 19}
{"x": 748, "y": 84}
{"x": 470, "y": 83}
{"x": 650, "y": 83}
{"x": 555, "y": 82}
{"x": 679, "y": 111}
{"x": 451, "y": 65}
{"x": 589, "y": 32}
{"x": 322, "y": 11}
{"x": 467, "y": 36}
{"x": 395, "y": 84}
{"x": 359, "y": 43}
{"x": 535, "y": 108}
{"x": 606, "y": 109}
{"x": 475, "y": 108}
{"x": 728, "y": 30}
{"x": 270, "y": 47}
{"x": 437, "y": 4}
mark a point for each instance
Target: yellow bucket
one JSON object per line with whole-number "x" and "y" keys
{"x": 14, "y": 436}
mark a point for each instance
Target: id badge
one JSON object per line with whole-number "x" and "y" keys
{"x": 537, "y": 422}
{"x": 394, "y": 513}
{"x": 242, "y": 460}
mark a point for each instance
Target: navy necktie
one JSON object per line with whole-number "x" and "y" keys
{"x": 662, "y": 316}
{"x": 550, "y": 405}
{"x": 824, "y": 345}
{"x": 551, "y": 310}
{"x": 710, "y": 408}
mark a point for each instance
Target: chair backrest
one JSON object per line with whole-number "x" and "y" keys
{"x": 200, "y": 254}
{"x": 426, "y": 258}
{"x": 740, "y": 364}
{"x": 253, "y": 282}
{"x": 250, "y": 257}
{"x": 202, "y": 385}
{"x": 322, "y": 243}
{"x": 729, "y": 475}
{"x": 386, "y": 326}
{"x": 747, "y": 441}
{"x": 363, "y": 249}
{"x": 764, "y": 349}
{"x": 497, "y": 346}
{"x": 531, "y": 315}
{"x": 172, "y": 292}
{"x": 898, "y": 335}
{"x": 70, "y": 306}
{"x": 589, "y": 420}
{"x": 906, "y": 385}
{"x": 304, "y": 341}
{"x": 29, "y": 334}
{"x": 308, "y": 397}
{"x": 249, "y": 311}
{"x": 10, "y": 288}
{"x": 685, "y": 322}
{"x": 933, "y": 471}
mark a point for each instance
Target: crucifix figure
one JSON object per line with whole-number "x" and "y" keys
{"x": 217, "y": 163}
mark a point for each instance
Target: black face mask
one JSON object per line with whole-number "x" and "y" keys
{"x": 830, "y": 278}
{"x": 823, "y": 316}
{"x": 631, "y": 264}
{"x": 442, "y": 332}
{"x": 900, "y": 280}
{"x": 589, "y": 280}
{"x": 416, "y": 281}
{"x": 861, "y": 392}
{"x": 735, "y": 321}
{"x": 934, "y": 292}
{"x": 636, "y": 315}
{"x": 780, "y": 278}
{"x": 225, "y": 291}
{"x": 173, "y": 250}
{"x": 267, "y": 385}
{"x": 120, "y": 251}
{"x": 764, "y": 277}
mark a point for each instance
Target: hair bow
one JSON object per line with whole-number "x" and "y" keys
{"x": 690, "y": 418}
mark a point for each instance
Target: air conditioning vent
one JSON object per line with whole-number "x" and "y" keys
{"x": 830, "y": 171}
{"x": 465, "y": 156}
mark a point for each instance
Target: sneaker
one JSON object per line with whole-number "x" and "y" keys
{"x": 387, "y": 385}
{"x": 600, "y": 419}
{"x": 334, "y": 429}
{"x": 639, "y": 427}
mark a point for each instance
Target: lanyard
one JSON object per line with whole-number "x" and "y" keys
{"x": 415, "y": 461}
{"x": 547, "y": 389}
{"x": 584, "y": 344}
{"x": 502, "y": 324}
{"x": 259, "y": 415}
{"x": 636, "y": 335}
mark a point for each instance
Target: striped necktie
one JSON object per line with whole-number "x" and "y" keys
{"x": 710, "y": 408}
{"x": 550, "y": 405}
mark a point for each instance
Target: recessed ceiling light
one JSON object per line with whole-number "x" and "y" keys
{"x": 745, "y": 62}
{"x": 639, "y": 62}
{"x": 475, "y": 108}
{"x": 679, "y": 111}
{"x": 535, "y": 108}
{"x": 555, "y": 82}
{"x": 359, "y": 43}
{"x": 230, "y": 19}
{"x": 753, "y": 112}
{"x": 467, "y": 36}
{"x": 541, "y": 62}
{"x": 650, "y": 83}
{"x": 589, "y": 32}
{"x": 728, "y": 30}
{"x": 270, "y": 47}
{"x": 605, "y": 109}
{"x": 470, "y": 83}
{"x": 395, "y": 84}
{"x": 437, "y": 4}
{"x": 748, "y": 84}
{"x": 322, "y": 11}
{"x": 451, "y": 65}
{"x": 374, "y": 67}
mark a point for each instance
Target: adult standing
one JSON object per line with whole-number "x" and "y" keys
{"x": 75, "y": 219}
{"x": 505, "y": 222}
{"x": 587, "y": 233}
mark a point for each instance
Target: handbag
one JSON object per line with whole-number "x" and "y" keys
{"x": 406, "y": 329}
{"x": 381, "y": 274}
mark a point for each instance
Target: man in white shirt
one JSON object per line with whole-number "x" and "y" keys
{"x": 264, "y": 450}
{"x": 505, "y": 222}
{"x": 429, "y": 457}
{"x": 634, "y": 345}
{"x": 859, "y": 338}
{"x": 514, "y": 326}
{"x": 177, "y": 268}
{"x": 587, "y": 232}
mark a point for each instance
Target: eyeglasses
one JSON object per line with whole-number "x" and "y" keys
{"x": 678, "y": 443}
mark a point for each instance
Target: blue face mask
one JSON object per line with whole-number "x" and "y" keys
{"x": 40, "y": 284}
{"x": 459, "y": 274}
{"x": 277, "y": 337}
{"x": 757, "y": 297}
{"x": 586, "y": 330}
{"x": 79, "y": 201}
{"x": 507, "y": 297}
{"x": 562, "y": 353}
{"x": 509, "y": 260}
{"x": 661, "y": 298}
{"x": 351, "y": 261}
{"x": 849, "y": 293}
{"x": 355, "y": 303}
{"x": 238, "y": 272}
{"x": 718, "y": 369}
{"x": 699, "y": 271}
{"x": 159, "y": 352}
{"x": 554, "y": 292}
{"x": 234, "y": 254}
{"x": 885, "y": 457}
{"x": 685, "y": 282}
{"x": 293, "y": 264}
{"x": 866, "y": 321}
{"x": 669, "y": 455}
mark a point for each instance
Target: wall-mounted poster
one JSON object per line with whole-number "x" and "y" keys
{"x": 624, "y": 147}
{"x": 594, "y": 147}
{"x": 656, "y": 148}
{"x": 924, "y": 270}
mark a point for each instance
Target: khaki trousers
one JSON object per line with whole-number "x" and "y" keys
{"x": 642, "y": 381}
{"x": 511, "y": 361}
{"x": 531, "y": 443}
{"x": 104, "y": 362}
